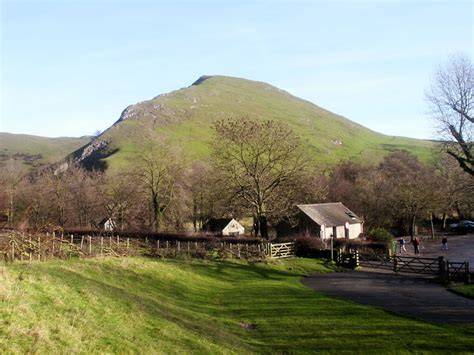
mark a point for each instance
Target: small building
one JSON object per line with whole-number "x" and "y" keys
{"x": 223, "y": 226}
{"x": 108, "y": 224}
{"x": 326, "y": 220}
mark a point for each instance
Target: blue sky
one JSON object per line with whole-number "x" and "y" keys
{"x": 70, "y": 67}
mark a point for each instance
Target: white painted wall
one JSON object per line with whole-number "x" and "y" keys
{"x": 233, "y": 228}
{"x": 354, "y": 231}
{"x": 109, "y": 225}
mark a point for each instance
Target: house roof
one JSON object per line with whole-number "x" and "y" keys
{"x": 216, "y": 224}
{"x": 330, "y": 214}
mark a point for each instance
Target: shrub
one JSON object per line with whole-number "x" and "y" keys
{"x": 307, "y": 247}
{"x": 380, "y": 235}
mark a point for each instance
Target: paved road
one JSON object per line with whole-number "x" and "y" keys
{"x": 460, "y": 248}
{"x": 412, "y": 296}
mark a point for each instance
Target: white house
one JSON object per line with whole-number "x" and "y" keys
{"x": 108, "y": 224}
{"x": 329, "y": 219}
{"x": 223, "y": 226}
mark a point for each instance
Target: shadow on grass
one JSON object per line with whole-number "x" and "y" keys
{"x": 173, "y": 303}
{"x": 212, "y": 299}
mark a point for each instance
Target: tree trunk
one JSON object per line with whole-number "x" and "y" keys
{"x": 156, "y": 213}
{"x": 263, "y": 227}
{"x": 412, "y": 227}
{"x": 432, "y": 227}
{"x": 195, "y": 217}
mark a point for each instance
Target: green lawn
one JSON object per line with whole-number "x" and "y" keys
{"x": 161, "y": 306}
{"x": 465, "y": 290}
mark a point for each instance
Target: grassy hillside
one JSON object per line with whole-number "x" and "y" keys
{"x": 180, "y": 306}
{"x": 187, "y": 115}
{"x": 34, "y": 149}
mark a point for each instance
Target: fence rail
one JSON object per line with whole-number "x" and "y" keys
{"x": 17, "y": 246}
{"x": 429, "y": 266}
{"x": 281, "y": 250}
{"x": 377, "y": 261}
{"x": 445, "y": 270}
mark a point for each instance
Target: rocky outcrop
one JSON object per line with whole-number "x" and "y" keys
{"x": 93, "y": 148}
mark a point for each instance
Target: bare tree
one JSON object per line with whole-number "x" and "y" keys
{"x": 258, "y": 160}
{"x": 158, "y": 168}
{"x": 11, "y": 176}
{"x": 451, "y": 102}
{"x": 411, "y": 189}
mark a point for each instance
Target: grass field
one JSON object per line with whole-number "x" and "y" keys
{"x": 465, "y": 290}
{"x": 161, "y": 306}
{"x": 42, "y": 149}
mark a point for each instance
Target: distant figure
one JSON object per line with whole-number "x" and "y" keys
{"x": 416, "y": 245}
{"x": 401, "y": 241}
{"x": 444, "y": 241}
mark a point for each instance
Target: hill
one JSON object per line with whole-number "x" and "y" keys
{"x": 144, "y": 305}
{"x": 36, "y": 150}
{"x": 186, "y": 117}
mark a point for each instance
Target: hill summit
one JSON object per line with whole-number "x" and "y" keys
{"x": 186, "y": 117}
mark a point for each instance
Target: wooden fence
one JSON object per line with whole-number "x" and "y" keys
{"x": 281, "y": 250}
{"x": 17, "y": 246}
{"x": 445, "y": 270}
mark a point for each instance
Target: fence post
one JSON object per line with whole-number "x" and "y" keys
{"x": 71, "y": 245}
{"x": 395, "y": 263}
{"x": 238, "y": 250}
{"x": 90, "y": 245}
{"x": 13, "y": 250}
{"x": 332, "y": 249}
{"x": 101, "y": 246}
{"x": 468, "y": 273}
{"x": 448, "y": 271}
{"x": 61, "y": 244}
{"x": 442, "y": 269}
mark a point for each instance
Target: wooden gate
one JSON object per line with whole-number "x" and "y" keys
{"x": 281, "y": 250}
{"x": 417, "y": 265}
{"x": 376, "y": 261}
{"x": 458, "y": 271}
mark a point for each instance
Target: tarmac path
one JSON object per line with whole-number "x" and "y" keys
{"x": 460, "y": 248}
{"x": 414, "y": 296}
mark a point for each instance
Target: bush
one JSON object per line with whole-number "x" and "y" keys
{"x": 309, "y": 247}
{"x": 380, "y": 235}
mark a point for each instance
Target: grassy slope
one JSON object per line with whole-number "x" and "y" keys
{"x": 190, "y": 112}
{"x": 149, "y": 306}
{"x": 465, "y": 290}
{"x": 51, "y": 149}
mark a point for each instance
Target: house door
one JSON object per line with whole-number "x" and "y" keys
{"x": 334, "y": 232}
{"x": 346, "y": 230}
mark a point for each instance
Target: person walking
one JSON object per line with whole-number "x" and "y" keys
{"x": 416, "y": 246}
{"x": 444, "y": 241}
{"x": 401, "y": 241}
